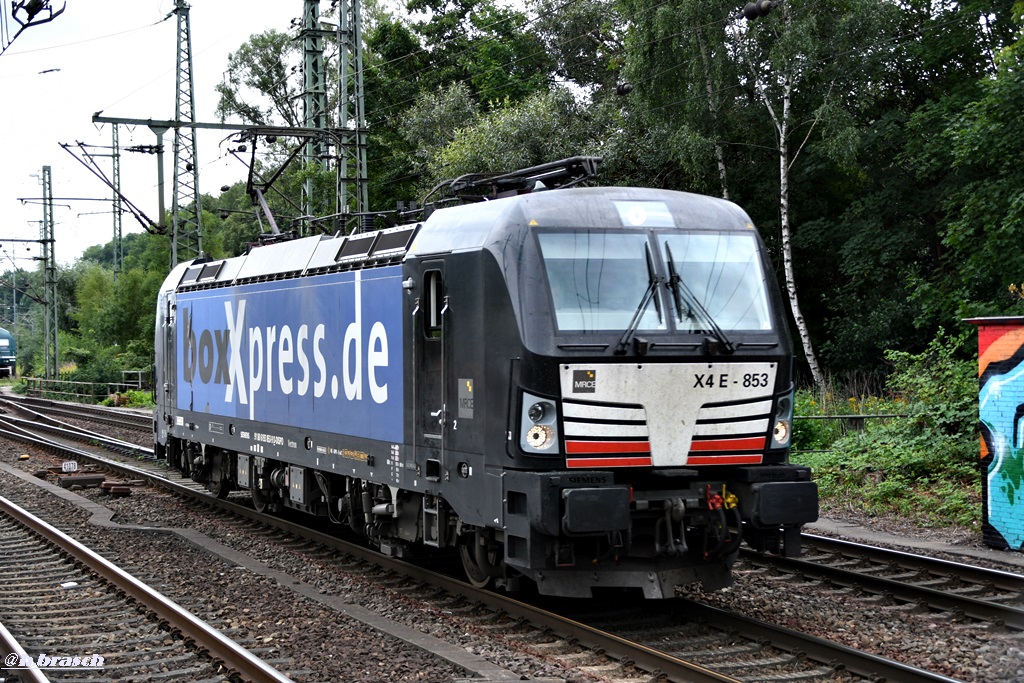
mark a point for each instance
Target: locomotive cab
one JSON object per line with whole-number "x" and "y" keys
{"x": 619, "y": 359}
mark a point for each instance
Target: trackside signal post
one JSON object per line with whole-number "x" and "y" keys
{"x": 1001, "y": 415}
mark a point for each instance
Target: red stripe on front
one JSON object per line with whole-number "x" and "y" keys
{"x": 744, "y": 444}
{"x": 637, "y": 461}
{"x": 724, "y": 459}
{"x": 607, "y": 446}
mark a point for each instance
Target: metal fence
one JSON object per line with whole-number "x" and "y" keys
{"x": 85, "y": 392}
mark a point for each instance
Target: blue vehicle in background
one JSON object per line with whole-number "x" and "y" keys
{"x": 8, "y": 353}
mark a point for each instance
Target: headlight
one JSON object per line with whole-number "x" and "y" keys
{"x": 782, "y": 431}
{"x": 539, "y": 411}
{"x": 540, "y": 437}
{"x": 538, "y": 425}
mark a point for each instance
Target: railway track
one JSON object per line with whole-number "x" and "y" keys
{"x": 78, "y": 616}
{"x": 129, "y": 460}
{"x": 679, "y": 640}
{"x": 964, "y": 591}
{"x": 99, "y": 414}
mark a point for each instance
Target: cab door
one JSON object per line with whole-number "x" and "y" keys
{"x": 164, "y": 365}
{"x": 430, "y": 411}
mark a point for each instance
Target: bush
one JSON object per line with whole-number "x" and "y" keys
{"x": 923, "y": 466}
{"x": 130, "y": 399}
{"x": 811, "y": 434}
{"x": 88, "y": 362}
{"x": 139, "y": 399}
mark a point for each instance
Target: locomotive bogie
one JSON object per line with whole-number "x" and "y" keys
{"x": 583, "y": 388}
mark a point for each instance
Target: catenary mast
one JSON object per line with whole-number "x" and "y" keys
{"x": 186, "y": 212}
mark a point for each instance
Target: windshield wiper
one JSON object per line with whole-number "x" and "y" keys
{"x": 681, "y": 293}
{"x": 652, "y": 288}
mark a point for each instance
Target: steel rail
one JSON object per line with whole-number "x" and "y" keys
{"x": 46, "y": 408}
{"x": 72, "y": 433}
{"x": 94, "y": 412}
{"x": 619, "y": 648}
{"x": 874, "y": 667}
{"x": 12, "y": 648}
{"x": 820, "y": 650}
{"x": 976, "y": 608}
{"x": 137, "y": 423}
{"x": 235, "y": 658}
{"x": 1002, "y": 580}
{"x": 658, "y": 663}
{"x": 17, "y": 433}
{"x": 903, "y": 591}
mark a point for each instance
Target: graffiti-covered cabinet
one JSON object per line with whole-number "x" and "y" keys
{"x": 1001, "y": 413}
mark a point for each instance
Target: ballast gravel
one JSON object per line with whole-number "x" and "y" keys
{"x": 314, "y": 643}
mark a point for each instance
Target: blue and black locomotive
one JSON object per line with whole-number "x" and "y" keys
{"x": 8, "y": 353}
{"x": 586, "y": 387}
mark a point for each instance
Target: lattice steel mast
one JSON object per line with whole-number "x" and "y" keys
{"x": 350, "y": 165}
{"x": 351, "y": 110}
{"x": 51, "y": 366}
{"x": 115, "y": 180}
{"x": 314, "y": 97}
{"x": 186, "y": 211}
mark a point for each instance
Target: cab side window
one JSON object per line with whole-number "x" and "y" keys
{"x": 433, "y": 287}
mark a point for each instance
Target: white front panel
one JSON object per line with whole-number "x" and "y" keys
{"x": 670, "y": 398}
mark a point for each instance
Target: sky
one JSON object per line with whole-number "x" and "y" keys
{"x": 118, "y": 59}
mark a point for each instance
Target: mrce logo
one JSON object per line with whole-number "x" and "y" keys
{"x": 584, "y": 381}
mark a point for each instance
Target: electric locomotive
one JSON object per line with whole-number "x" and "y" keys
{"x": 583, "y": 387}
{"x": 8, "y": 353}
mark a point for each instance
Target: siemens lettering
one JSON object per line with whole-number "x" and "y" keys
{"x": 314, "y": 350}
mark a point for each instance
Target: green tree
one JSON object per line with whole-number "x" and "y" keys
{"x": 686, "y": 84}
{"x": 987, "y": 209}
{"x": 806, "y": 65}
{"x": 434, "y": 120}
{"x": 728, "y": 99}
{"x": 870, "y": 226}
{"x": 506, "y": 60}
{"x": 585, "y": 40}
{"x": 396, "y": 67}
{"x": 110, "y": 313}
{"x": 542, "y": 128}
{"x": 492, "y": 48}
{"x": 259, "y": 85}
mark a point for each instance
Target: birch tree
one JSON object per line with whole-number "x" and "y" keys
{"x": 806, "y": 62}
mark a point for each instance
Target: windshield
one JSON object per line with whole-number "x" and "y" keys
{"x": 723, "y": 271}
{"x": 598, "y": 280}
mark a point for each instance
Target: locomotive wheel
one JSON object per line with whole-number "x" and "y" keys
{"x": 217, "y": 481}
{"x": 184, "y": 465}
{"x": 481, "y": 562}
{"x": 260, "y": 501}
{"x": 219, "y": 488}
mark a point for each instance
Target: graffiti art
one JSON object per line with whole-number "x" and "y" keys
{"x": 1001, "y": 410}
